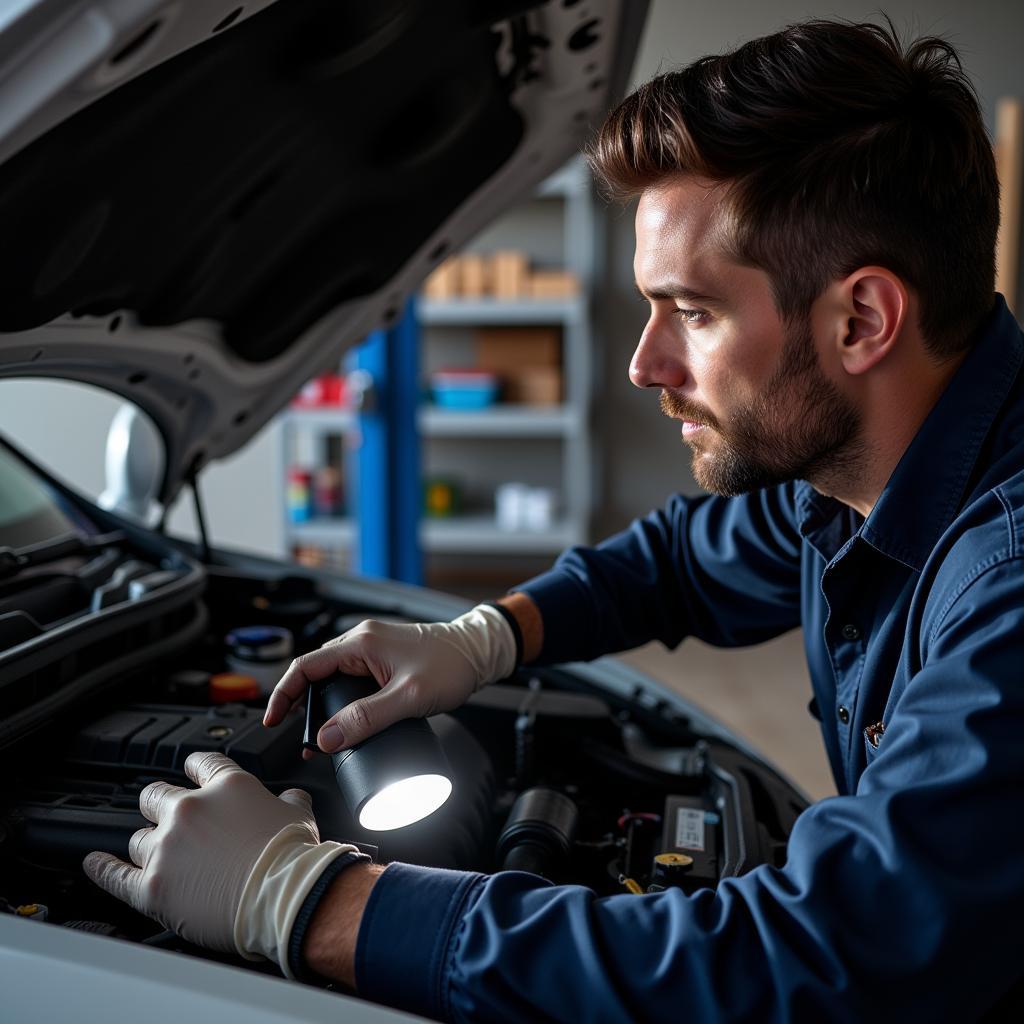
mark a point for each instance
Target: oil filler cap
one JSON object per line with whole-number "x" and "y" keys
{"x": 671, "y": 868}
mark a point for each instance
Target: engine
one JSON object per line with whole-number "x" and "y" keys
{"x": 551, "y": 775}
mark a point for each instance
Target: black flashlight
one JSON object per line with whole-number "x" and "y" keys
{"x": 391, "y": 779}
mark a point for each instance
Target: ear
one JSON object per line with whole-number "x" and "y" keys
{"x": 875, "y": 302}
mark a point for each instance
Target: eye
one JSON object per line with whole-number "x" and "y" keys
{"x": 691, "y": 316}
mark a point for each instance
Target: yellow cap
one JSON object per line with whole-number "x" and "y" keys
{"x": 673, "y": 860}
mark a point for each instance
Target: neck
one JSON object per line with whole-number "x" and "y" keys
{"x": 892, "y": 414}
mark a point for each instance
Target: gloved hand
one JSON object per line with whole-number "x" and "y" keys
{"x": 422, "y": 669}
{"x": 227, "y": 866}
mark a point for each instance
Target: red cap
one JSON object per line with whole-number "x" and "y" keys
{"x": 229, "y": 686}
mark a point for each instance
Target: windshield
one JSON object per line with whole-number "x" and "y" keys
{"x": 30, "y": 512}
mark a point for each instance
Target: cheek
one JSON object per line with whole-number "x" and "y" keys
{"x": 742, "y": 362}
{"x": 720, "y": 369}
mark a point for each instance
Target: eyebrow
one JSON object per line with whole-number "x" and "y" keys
{"x": 673, "y": 290}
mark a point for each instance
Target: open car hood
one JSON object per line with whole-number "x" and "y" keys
{"x": 204, "y": 204}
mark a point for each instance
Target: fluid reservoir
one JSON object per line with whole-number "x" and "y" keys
{"x": 262, "y": 652}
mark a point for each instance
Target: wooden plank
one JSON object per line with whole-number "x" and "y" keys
{"x": 1010, "y": 165}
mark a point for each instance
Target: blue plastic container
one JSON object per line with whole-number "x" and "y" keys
{"x": 465, "y": 389}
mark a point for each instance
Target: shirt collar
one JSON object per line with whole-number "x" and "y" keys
{"x": 819, "y": 521}
{"x": 927, "y": 487}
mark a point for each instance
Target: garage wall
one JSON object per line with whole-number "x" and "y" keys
{"x": 645, "y": 459}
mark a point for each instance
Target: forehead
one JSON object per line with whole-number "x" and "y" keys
{"x": 680, "y": 225}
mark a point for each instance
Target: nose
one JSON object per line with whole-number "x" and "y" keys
{"x": 658, "y": 361}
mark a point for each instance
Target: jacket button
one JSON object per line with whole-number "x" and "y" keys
{"x": 850, "y": 632}
{"x": 844, "y": 714}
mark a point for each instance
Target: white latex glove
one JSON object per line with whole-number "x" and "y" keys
{"x": 422, "y": 669}
{"x": 226, "y": 866}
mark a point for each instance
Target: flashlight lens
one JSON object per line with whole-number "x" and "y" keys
{"x": 404, "y": 802}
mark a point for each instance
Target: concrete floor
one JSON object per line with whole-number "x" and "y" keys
{"x": 760, "y": 692}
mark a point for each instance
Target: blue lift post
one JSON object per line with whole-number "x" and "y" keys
{"x": 389, "y": 493}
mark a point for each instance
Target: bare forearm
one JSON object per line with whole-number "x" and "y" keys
{"x": 530, "y": 623}
{"x": 330, "y": 944}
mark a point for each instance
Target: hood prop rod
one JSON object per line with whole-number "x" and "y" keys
{"x": 197, "y": 503}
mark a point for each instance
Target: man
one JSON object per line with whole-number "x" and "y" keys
{"x": 814, "y": 236}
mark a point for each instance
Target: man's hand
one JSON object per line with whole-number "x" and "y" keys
{"x": 226, "y": 866}
{"x": 422, "y": 669}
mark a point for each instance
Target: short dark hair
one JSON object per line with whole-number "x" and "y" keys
{"x": 841, "y": 148}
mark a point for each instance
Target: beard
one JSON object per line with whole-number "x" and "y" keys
{"x": 799, "y": 427}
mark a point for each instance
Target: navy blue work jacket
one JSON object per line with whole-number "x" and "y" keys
{"x": 902, "y": 898}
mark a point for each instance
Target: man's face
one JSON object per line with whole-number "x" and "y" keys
{"x": 755, "y": 404}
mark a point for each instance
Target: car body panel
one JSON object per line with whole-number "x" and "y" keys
{"x": 49, "y": 971}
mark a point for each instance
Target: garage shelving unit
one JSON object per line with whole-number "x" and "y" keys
{"x": 480, "y": 440}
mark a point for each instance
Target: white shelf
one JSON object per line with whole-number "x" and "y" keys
{"x": 481, "y": 535}
{"x": 324, "y": 532}
{"x": 505, "y": 312}
{"x": 476, "y": 534}
{"x": 494, "y": 421}
{"x": 324, "y": 419}
{"x": 499, "y": 421}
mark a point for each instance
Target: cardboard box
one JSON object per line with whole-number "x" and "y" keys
{"x": 535, "y": 385}
{"x": 475, "y": 276}
{"x": 443, "y": 283}
{"x": 505, "y": 350}
{"x": 552, "y": 284}
{"x": 509, "y": 271}
{"x": 527, "y": 359}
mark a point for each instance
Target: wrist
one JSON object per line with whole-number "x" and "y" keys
{"x": 513, "y": 625}
{"x": 277, "y": 888}
{"x": 327, "y": 948}
{"x": 524, "y": 610}
{"x": 485, "y": 639}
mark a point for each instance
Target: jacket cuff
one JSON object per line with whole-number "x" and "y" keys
{"x": 405, "y": 942}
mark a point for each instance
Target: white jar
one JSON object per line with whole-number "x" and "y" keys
{"x": 509, "y": 506}
{"x": 263, "y": 652}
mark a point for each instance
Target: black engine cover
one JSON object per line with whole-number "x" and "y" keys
{"x": 90, "y": 802}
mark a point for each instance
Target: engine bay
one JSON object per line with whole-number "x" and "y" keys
{"x": 552, "y": 774}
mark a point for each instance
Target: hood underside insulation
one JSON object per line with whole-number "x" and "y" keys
{"x": 309, "y": 151}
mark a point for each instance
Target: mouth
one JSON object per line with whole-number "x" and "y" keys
{"x": 677, "y": 409}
